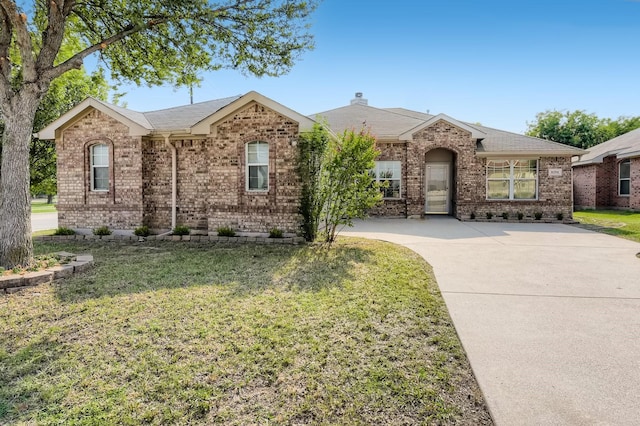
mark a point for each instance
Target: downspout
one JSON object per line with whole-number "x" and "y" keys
{"x": 174, "y": 180}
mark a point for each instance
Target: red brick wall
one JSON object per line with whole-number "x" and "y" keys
{"x": 469, "y": 186}
{"x": 211, "y": 188}
{"x": 596, "y": 185}
{"x": 584, "y": 186}
{"x": 393, "y": 207}
{"x": 634, "y": 200}
{"x": 80, "y": 207}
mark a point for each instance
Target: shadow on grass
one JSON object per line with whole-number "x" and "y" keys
{"x": 242, "y": 269}
{"x": 19, "y": 370}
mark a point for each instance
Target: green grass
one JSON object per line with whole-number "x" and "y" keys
{"x": 199, "y": 334}
{"x": 40, "y": 206}
{"x": 625, "y": 224}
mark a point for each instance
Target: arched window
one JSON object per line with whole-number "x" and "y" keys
{"x": 624, "y": 178}
{"x": 257, "y": 166}
{"x": 99, "y": 154}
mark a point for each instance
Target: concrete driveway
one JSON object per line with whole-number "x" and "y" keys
{"x": 43, "y": 221}
{"x": 549, "y": 315}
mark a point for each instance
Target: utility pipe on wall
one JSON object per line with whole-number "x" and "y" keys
{"x": 174, "y": 180}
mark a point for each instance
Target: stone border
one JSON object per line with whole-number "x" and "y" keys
{"x": 195, "y": 238}
{"x": 13, "y": 283}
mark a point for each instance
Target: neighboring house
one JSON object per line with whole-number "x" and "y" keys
{"x": 232, "y": 162}
{"x": 609, "y": 174}
{"x": 227, "y": 162}
{"x": 440, "y": 165}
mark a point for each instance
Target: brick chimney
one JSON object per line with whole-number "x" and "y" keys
{"x": 359, "y": 99}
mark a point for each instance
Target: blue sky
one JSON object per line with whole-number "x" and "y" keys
{"x": 495, "y": 62}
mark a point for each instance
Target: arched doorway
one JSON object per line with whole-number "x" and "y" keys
{"x": 439, "y": 181}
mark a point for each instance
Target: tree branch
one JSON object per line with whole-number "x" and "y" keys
{"x": 5, "y": 44}
{"x": 52, "y": 36}
{"x": 23, "y": 39}
{"x": 76, "y": 60}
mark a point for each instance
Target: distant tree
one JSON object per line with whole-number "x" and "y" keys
{"x": 348, "y": 190}
{"x": 144, "y": 41}
{"x": 579, "y": 128}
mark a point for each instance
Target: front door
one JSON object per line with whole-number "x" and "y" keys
{"x": 437, "y": 188}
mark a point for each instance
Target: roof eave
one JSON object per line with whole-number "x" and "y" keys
{"x": 514, "y": 154}
{"x": 629, "y": 154}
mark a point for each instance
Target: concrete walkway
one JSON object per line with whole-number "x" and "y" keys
{"x": 549, "y": 315}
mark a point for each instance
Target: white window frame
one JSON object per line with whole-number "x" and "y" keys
{"x": 95, "y": 166}
{"x": 383, "y": 166}
{"x": 512, "y": 179}
{"x": 621, "y": 179}
{"x": 258, "y": 144}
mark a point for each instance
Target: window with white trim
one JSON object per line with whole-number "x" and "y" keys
{"x": 99, "y": 167}
{"x": 388, "y": 171}
{"x": 624, "y": 178}
{"x": 257, "y": 166}
{"x": 512, "y": 179}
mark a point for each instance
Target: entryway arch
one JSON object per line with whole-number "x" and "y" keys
{"x": 440, "y": 181}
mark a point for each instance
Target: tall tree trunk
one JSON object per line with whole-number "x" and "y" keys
{"x": 16, "y": 245}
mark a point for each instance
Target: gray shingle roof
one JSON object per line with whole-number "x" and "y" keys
{"x": 623, "y": 146}
{"x": 390, "y": 123}
{"x": 381, "y": 122}
{"x": 135, "y": 116}
{"x": 184, "y": 117}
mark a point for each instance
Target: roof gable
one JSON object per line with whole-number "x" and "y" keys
{"x": 475, "y": 133}
{"x": 136, "y": 122}
{"x": 204, "y": 125}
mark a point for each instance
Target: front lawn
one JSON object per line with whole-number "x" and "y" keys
{"x": 625, "y": 224}
{"x": 40, "y": 206}
{"x": 180, "y": 333}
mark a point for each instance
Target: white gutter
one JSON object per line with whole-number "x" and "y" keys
{"x": 174, "y": 179}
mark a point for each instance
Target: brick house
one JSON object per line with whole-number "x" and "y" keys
{"x": 436, "y": 164}
{"x": 227, "y": 162}
{"x": 231, "y": 162}
{"x": 608, "y": 176}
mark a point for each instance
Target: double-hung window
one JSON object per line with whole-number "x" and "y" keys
{"x": 624, "y": 178}
{"x": 99, "y": 167}
{"x": 388, "y": 171}
{"x": 512, "y": 179}
{"x": 257, "y": 166}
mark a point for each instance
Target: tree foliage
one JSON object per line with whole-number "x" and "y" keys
{"x": 312, "y": 147}
{"x": 64, "y": 93}
{"x": 144, "y": 41}
{"x": 579, "y": 128}
{"x": 348, "y": 190}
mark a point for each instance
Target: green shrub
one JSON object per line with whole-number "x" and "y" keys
{"x": 538, "y": 215}
{"x": 276, "y": 233}
{"x": 489, "y": 215}
{"x": 103, "y": 230}
{"x": 520, "y": 215}
{"x": 505, "y": 215}
{"x": 142, "y": 231}
{"x": 181, "y": 230}
{"x": 226, "y": 231}
{"x": 560, "y": 216}
{"x": 64, "y": 231}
